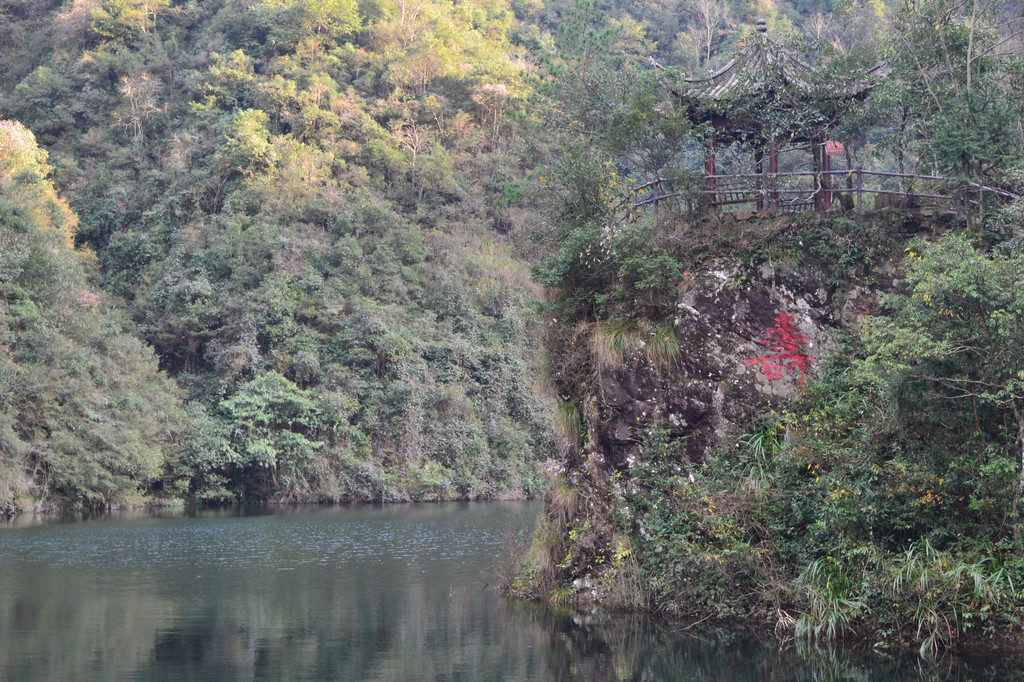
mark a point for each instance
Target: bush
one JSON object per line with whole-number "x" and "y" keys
{"x": 595, "y": 272}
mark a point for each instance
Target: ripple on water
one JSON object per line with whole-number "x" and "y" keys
{"x": 247, "y": 542}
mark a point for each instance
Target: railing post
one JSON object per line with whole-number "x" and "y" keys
{"x": 826, "y": 182}
{"x": 818, "y": 150}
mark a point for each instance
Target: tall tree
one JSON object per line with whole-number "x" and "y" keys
{"x": 710, "y": 20}
{"x": 955, "y": 58}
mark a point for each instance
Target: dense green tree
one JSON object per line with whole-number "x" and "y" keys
{"x": 85, "y": 417}
{"x": 948, "y": 360}
{"x": 271, "y": 422}
{"x": 957, "y": 62}
{"x": 322, "y": 19}
{"x": 118, "y": 21}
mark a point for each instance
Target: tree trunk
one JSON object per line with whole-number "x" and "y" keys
{"x": 1019, "y": 488}
{"x": 900, "y": 166}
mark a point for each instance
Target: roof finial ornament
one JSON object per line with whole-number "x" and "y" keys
{"x": 762, "y": 26}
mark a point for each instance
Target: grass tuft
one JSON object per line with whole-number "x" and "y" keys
{"x": 612, "y": 342}
{"x": 663, "y": 348}
{"x": 569, "y": 424}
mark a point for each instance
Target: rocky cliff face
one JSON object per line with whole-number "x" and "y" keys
{"x": 744, "y": 338}
{"x": 655, "y": 387}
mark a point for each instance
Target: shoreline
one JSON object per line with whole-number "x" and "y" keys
{"x": 41, "y": 516}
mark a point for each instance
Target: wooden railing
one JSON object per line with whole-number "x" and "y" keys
{"x": 776, "y": 191}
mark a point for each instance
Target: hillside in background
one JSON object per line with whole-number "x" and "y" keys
{"x": 306, "y": 210}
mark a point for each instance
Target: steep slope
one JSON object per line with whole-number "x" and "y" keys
{"x": 85, "y": 415}
{"x": 305, "y": 207}
{"x": 808, "y": 423}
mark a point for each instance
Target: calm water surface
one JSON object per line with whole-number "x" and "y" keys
{"x": 401, "y": 592}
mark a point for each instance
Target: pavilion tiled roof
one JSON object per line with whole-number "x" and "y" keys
{"x": 765, "y": 65}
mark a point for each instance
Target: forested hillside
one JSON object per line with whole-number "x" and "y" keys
{"x": 305, "y": 209}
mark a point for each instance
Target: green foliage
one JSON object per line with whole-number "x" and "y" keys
{"x": 327, "y": 19}
{"x": 692, "y": 551}
{"x": 832, "y": 600}
{"x": 662, "y": 347}
{"x": 898, "y": 493}
{"x": 947, "y": 596}
{"x": 121, "y": 21}
{"x": 949, "y": 59}
{"x": 621, "y": 128}
{"x": 44, "y": 97}
{"x": 595, "y": 271}
{"x": 294, "y": 198}
{"x": 247, "y": 148}
{"x": 761, "y": 448}
{"x": 272, "y": 424}
{"x": 949, "y": 353}
{"x": 85, "y": 417}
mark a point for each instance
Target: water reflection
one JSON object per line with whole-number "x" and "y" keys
{"x": 348, "y": 593}
{"x": 606, "y": 648}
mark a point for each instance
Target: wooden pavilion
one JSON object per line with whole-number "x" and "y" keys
{"x": 769, "y": 99}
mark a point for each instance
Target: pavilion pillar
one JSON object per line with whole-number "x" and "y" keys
{"x": 773, "y": 170}
{"x": 710, "y": 171}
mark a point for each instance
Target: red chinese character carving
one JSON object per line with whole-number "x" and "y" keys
{"x": 784, "y": 341}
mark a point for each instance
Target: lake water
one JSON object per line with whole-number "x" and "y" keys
{"x": 400, "y": 592}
